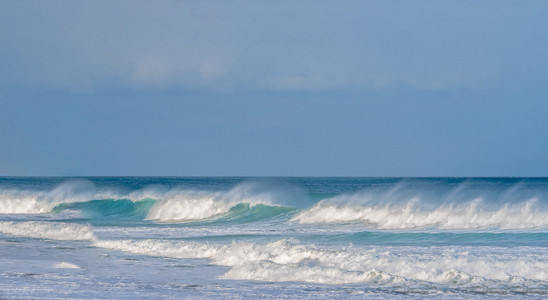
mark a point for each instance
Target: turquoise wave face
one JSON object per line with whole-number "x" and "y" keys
{"x": 246, "y": 213}
{"x": 124, "y": 210}
{"x": 115, "y": 209}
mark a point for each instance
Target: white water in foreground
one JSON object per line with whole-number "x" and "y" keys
{"x": 286, "y": 260}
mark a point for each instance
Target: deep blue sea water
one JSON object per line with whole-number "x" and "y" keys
{"x": 151, "y": 237}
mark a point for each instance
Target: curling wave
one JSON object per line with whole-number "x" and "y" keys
{"x": 154, "y": 203}
{"x": 118, "y": 210}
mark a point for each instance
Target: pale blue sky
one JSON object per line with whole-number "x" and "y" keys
{"x": 268, "y": 88}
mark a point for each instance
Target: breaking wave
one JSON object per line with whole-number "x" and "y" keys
{"x": 151, "y": 203}
{"x": 400, "y": 205}
{"x": 15, "y": 201}
{"x": 183, "y": 205}
{"x": 172, "y": 211}
{"x": 471, "y": 215}
{"x": 409, "y": 205}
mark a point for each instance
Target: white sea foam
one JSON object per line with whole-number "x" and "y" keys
{"x": 289, "y": 261}
{"x": 187, "y": 205}
{"x": 47, "y": 230}
{"x": 14, "y": 201}
{"x": 65, "y": 265}
{"x": 468, "y": 215}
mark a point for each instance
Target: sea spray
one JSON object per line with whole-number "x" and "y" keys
{"x": 189, "y": 205}
{"x": 22, "y": 201}
{"x": 470, "y": 215}
{"x": 409, "y": 205}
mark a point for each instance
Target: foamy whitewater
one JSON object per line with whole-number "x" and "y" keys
{"x": 128, "y": 238}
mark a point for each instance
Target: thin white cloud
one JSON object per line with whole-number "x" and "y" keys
{"x": 165, "y": 71}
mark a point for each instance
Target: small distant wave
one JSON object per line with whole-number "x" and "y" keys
{"x": 411, "y": 214}
{"x": 47, "y": 230}
{"x": 285, "y": 260}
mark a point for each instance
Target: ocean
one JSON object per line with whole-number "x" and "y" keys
{"x": 232, "y": 237}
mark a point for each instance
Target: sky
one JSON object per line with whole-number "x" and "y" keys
{"x": 273, "y": 88}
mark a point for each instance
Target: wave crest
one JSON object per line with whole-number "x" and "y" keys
{"x": 38, "y": 202}
{"x": 408, "y": 215}
{"x": 184, "y": 205}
